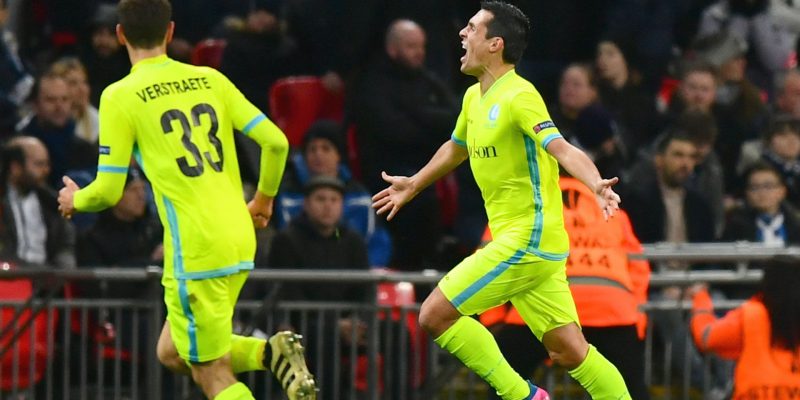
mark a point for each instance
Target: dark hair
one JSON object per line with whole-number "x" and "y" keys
{"x": 782, "y": 300}
{"x": 145, "y": 22}
{"x": 37, "y": 84}
{"x": 699, "y": 66}
{"x": 12, "y": 152}
{"x": 762, "y": 166}
{"x": 672, "y": 135}
{"x": 780, "y": 124}
{"x": 510, "y": 24}
{"x": 700, "y": 126}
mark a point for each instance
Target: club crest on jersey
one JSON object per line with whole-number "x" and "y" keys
{"x": 494, "y": 112}
{"x": 105, "y": 150}
{"x": 542, "y": 126}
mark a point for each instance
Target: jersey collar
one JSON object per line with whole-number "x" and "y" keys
{"x": 499, "y": 82}
{"x": 157, "y": 61}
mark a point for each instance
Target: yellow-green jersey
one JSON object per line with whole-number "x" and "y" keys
{"x": 506, "y": 132}
{"x": 178, "y": 120}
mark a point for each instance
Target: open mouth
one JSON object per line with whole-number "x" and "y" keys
{"x": 466, "y": 51}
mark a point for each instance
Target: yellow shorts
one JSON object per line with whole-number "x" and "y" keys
{"x": 497, "y": 274}
{"x": 200, "y": 314}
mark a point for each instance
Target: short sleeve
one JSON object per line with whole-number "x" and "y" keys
{"x": 531, "y": 117}
{"x": 459, "y": 135}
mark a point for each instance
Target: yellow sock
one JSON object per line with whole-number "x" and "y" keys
{"x": 472, "y": 343}
{"x": 247, "y": 353}
{"x": 237, "y": 391}
{"x": 600, "y": 377}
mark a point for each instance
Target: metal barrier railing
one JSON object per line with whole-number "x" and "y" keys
{"x": 104, "y": 348}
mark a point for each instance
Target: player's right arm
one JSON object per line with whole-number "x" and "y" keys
{"x": 117, "y": 137}
{"x": 402, "y": 189}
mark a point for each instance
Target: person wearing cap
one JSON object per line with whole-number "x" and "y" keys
{"x": 318, "y": 239}
{"x": 321, "y": 154}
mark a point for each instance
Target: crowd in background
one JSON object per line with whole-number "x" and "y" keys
{"x": 694, "y": 104}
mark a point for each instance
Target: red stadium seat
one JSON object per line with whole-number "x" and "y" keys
{"x": 28, "y": 343}
{"x": 297, "y": 102}
{"x": 447, "y": 193}
{"x": 397, "y": 295}
{"x": 352, "y": 152}
{"x": 209, "y": 53}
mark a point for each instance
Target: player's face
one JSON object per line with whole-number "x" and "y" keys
{"x": 54, "y": 106}
{"x": 474, "y": 41}
{"x": 677, "y": 162}
{"x": 322, "y": 157}
{"x": 324, "y": 207}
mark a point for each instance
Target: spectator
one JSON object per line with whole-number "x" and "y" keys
{"x": 661, "y": 206}
{"x": 105, "y": 59}
{"x": 402, "y": 114}
{"x": 607, "y": 298}
{"x": 15, "y": 82}
{"x": 317, "y": 239}
{"x": 779, "y": 148}
{"x": 697, "y": 90}
{"x": 256, "y": 56}
{"x": 622, "y": 92}
{"x": 322, "y": 155}
{"x": 584, "y": 122}
{"x": 761, "y": 335}
{"x": 126, "y": 234}
{"x": 32, "y": 231}
{"x": 738, "y": 108}
{"x": 52, "y": 123}
{"x": 764, "y": 218}
{"x": 87, "y": 123}
{"x": 763, "y": 25}
{"x": 787, "y": 93}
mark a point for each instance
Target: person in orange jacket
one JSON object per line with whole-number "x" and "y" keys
{"x": 608, "y": 288}
{"x": 762, "y": 335}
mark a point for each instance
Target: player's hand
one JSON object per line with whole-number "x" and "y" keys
{"x": 66, "y": 197}
{"x": 606, "y": 197}
{"x": 260, "y": 209}
{"x": 391, "y": 199}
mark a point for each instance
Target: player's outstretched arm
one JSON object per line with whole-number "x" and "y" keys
{"x": 578, "y": 164}
{"x": 402, "y": 189}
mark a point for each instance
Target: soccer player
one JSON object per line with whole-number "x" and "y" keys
{"x": 515, "y": 151}
{"x": 178, "y": 121}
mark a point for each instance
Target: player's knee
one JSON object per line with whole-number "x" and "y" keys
{"x": 566, "y": 346}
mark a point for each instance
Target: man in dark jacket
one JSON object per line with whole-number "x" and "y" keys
{"x": 402, "y": 115}
{"x": 32, "y": 231}
{"x": 317, "y": 239}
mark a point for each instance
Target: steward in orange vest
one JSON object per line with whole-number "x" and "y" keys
{"x": 608, "y": 289}
{"x": 763, "y": 335}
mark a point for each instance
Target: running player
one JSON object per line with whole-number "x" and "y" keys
{"x": 178, "y": 121}
{"x": 514, "y": 151}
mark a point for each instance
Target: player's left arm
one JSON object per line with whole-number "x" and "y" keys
{"x": 116, "y": 144}
{"x": 532, "y": 118}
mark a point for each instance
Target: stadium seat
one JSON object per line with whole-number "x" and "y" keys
{"x": 28, "y": 342}
{"x": 402, "y": 294}
{"x": 297, "y": 102}
{"x": 208, "y": 52}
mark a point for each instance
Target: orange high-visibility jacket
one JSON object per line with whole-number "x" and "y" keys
{"x": 607, "y": 286}
{"x": 763, "y": 372}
